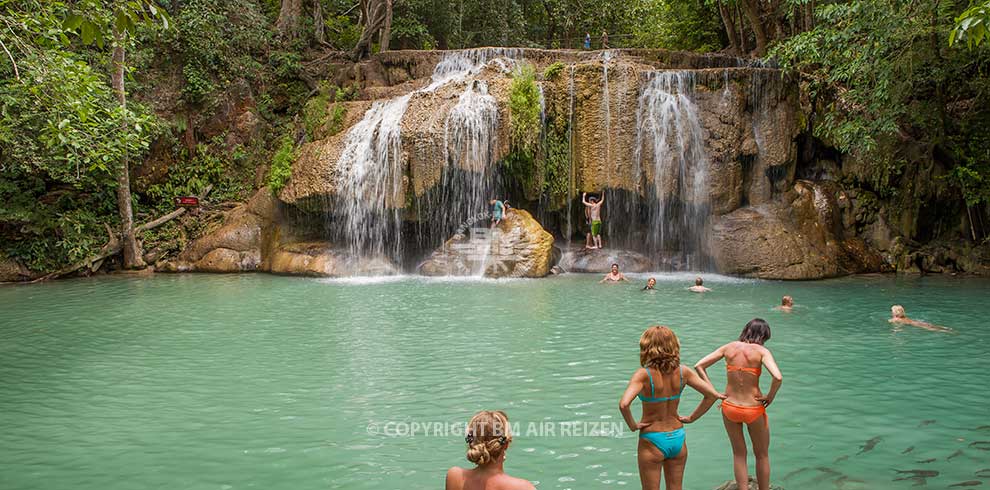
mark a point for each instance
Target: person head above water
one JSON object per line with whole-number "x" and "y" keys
{"x": 787, "y": 301}
{"x": 615, "y": 268}
{"x": 897, "y": 311}
{"x": 651, "y": 282}
{"x": 488, "y": 435}
{"x": 698, "y": 281}
{"x": 659, "y": 348}
{"x": 757, "y": 331}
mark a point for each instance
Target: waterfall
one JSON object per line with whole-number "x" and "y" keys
{"x": 607, "y": 109}
{"x": 371, "y": 181}
{"x": 670, "y": 159}
{"x": 468, "y": 179}
{"x": 570, "y": 155}
{"x": 367, "y": 214}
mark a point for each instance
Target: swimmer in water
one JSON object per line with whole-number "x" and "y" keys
{"x": 746, "y": 404}
{"x": 614, "y": 275}
{"x": 698, "y": 286}
{"x": 786, "y": 304}
{"x": 650, "y": 284}
{"x": 899, "y": 317}
{"x": 488, "y": 438}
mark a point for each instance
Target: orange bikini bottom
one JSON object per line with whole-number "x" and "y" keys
{"x": 743, "y": 415}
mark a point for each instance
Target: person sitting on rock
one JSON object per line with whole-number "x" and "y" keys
{"x": 786, "y": 304}
{"x": 650, "y": 284}
{"x": 498, "y": 211}
{"x": 594, "y": 207}
{"x": 488, "y": 437}
{"x": 699, "y": 286}
{"x": 898, "y": 316}
{"x": 614, "y": 275}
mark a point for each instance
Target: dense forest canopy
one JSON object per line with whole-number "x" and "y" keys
{"x": 94, "y": 91}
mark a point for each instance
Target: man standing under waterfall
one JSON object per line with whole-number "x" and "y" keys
{"x": 594, "y": 207}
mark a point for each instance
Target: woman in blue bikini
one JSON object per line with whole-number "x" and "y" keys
{"x": 659, "y": 385}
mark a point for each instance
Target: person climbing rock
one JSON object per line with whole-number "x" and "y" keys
{"x": 498, "y": 211}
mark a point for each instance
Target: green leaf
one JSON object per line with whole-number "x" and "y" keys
{"x": 87, "y": 32}
{"x": 72, "y": 22}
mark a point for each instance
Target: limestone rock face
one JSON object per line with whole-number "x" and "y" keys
{"x": 748, "y": 118}
{"x": 236, "y": 246}
{"x": 322, "y": 260}
{"x": 518, "y": 247}
{"x": 798, "y": 240}
{"x": 601, "y": 260}
{"x": 13, "y": 271}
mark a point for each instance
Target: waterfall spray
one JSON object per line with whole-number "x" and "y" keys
{"x": 672, "y": 164}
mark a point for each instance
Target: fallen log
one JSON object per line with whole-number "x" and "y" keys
{"x": 113, "y": 245}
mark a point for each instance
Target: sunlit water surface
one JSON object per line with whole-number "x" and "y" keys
{"x": 258, "y": 381}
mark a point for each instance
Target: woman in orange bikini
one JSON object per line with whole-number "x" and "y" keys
{"x": 746, "y": 404}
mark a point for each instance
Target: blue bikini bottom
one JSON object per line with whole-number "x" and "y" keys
{"x": 669, "y": 443}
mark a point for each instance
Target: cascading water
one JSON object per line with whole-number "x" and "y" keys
{"x": 367, "y": 216}
{"x": 468, "y": 179}
{"x": 371, "y": 182}
{"x": 607, "y": 109}
{"x": 671, "y": 161}
{"x": 570, "y": 155}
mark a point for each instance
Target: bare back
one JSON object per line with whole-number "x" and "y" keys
{"x": 482, "y": 479}
{"x": 743, "y": 385}
{"x": 661, "y": 416}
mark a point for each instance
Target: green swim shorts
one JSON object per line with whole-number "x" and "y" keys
{"x": 596, "y": 227}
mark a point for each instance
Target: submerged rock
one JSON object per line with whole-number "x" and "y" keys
{"x": 322, "y": 260}
{"x": 519, "y": 247}
{"x": 731, "y": 485}
{"x": 601, "y": 260}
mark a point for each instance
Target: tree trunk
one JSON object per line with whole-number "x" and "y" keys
{"x": 374, "y": 13}
{"x": 288, "y": 18}
{"x": 386, "y": 35}
{"x": 743, "y": 37}
{"x": 132, "y": 251}
{"x": 752, "y": 10}
{"x": 730, "y": 28}
{"x": 319, "y": 24}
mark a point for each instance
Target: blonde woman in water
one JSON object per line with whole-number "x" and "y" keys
{"x": 658, "y": 384}
{"x": 488, "y": 438}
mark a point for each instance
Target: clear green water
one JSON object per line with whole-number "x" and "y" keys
{"x": 257, "y": 381}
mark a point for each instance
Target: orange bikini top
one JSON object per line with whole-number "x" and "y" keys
{"x": 754, "y": 371}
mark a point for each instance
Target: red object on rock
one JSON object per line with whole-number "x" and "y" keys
{"x": 187, "y": 201}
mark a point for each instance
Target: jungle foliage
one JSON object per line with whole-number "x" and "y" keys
{"x": 883, "y": 75}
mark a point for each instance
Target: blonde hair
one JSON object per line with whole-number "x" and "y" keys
{"x": 898, "y": 311}
{"x": 659, "y": 348}
{"x": 487, "y": 436}
{"x": 786, "y": 301}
